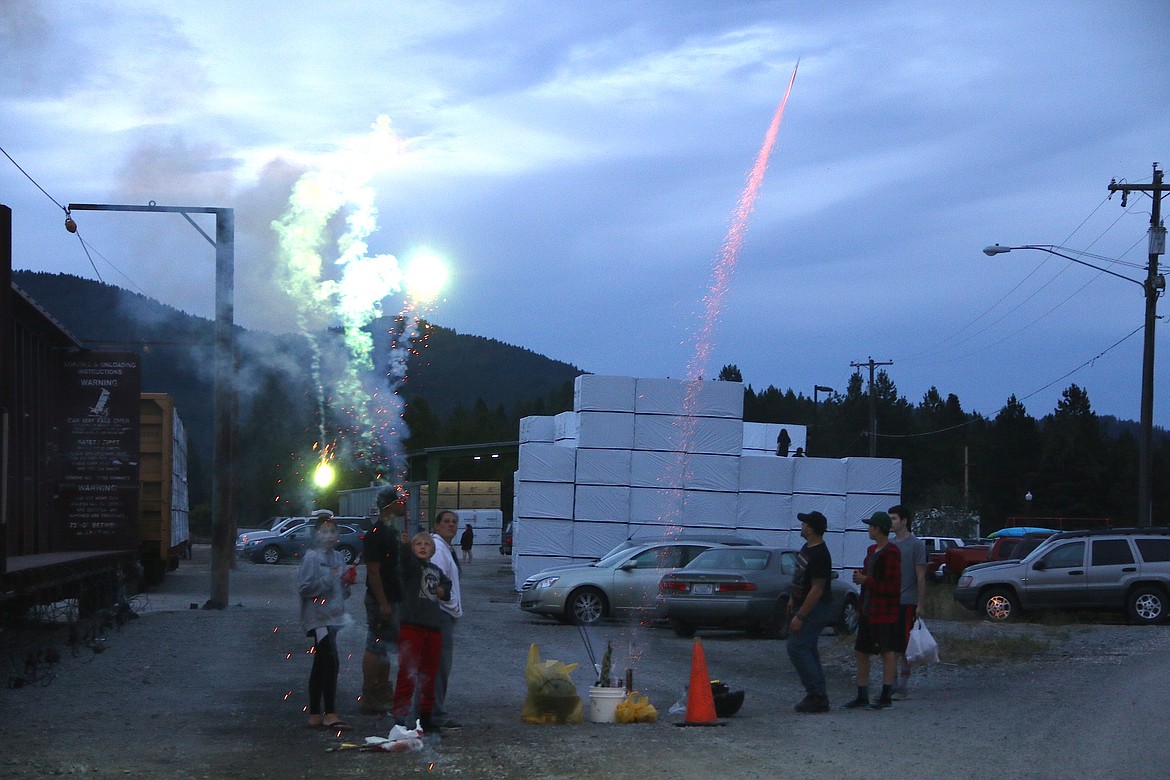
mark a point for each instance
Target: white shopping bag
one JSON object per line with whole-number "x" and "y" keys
{"x": 922, "y": 649}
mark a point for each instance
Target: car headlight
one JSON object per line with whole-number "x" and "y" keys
{"x": 965, "y": 581}
{"x": 547, "y": 582}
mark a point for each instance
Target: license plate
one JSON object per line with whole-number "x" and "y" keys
{"x": 702, "y": 589}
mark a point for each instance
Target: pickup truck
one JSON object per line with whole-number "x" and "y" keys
{"x": 954, "y": 560}
{"x": 936, "y": 548}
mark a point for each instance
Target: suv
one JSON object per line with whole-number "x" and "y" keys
{"x": 1107, "y": 568}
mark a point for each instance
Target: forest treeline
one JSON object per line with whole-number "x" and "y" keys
{"x": 959, "y": 467}
{"x": 463, "y": 389}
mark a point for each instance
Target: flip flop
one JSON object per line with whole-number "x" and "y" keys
{"x": 337, "y": 725}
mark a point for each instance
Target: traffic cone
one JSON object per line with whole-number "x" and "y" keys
{"x": 700, "y": 699}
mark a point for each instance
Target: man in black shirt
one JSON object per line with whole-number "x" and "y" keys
{"x": 810, "y": 606}
{"x": 383, "y": 594}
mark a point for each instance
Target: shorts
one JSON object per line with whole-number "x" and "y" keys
{"x": 381, "y": 637}
{"x": 878, "y": 638}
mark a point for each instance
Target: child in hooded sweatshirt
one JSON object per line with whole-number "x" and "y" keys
{"x": 323, "y": 584}
{"x": 420, "y": 635}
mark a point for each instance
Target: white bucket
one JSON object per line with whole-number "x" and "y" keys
{"x": 603, "y": 703}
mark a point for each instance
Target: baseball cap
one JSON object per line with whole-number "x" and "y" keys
{"x": 816, "y": 521}
{"x": 880, "y": 520}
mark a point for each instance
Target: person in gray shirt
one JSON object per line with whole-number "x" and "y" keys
{"x": 913, "y": 552}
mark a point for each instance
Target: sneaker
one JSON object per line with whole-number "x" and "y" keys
{"x": 855, "y": 704}
{"x": 901, "y": 693}
{"x": 814, "y": 702}
{"x": 450, "y": 724}
{"x": 880, "y": 704}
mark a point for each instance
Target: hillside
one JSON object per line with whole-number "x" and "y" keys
{"x": 449, "y": 371}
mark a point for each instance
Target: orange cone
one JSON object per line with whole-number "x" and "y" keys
{"x": 700, "y": 700}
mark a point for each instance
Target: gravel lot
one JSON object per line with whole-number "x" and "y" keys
{"x": 182, "y": 693}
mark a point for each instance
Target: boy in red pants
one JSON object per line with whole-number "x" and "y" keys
{"x": 420, "y": 635}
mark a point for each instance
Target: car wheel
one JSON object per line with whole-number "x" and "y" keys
{"x": 1146, "y": 605}
{"x": 271, "y": 554}
{"x": 847, "y": 621}
{"x": 347, "y": 553}
{"x": 586, "y": 607}
{"x": 999, "y": 604}
{"x": 682, "y": 628}
{"x": 776, "y": 626}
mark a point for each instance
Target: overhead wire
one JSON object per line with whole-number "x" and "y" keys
{"x": 86, "y": 247}
{"x": 1109, "y": 261}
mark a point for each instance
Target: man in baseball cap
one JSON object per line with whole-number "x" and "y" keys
{"x": 878, "y": 613}
{"x": 810, "y": 610}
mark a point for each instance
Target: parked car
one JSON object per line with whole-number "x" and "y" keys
{"x": 746, "y": 588}
{"x": 279, "y": 526}
{"x": 621, "y": 584}
{"x": 267, "y": 525}
{"x": 506, "y": 540}
{"x": 1123, "y": 569}
{"x": 293, "y": 542}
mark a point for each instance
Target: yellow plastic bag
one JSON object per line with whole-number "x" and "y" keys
{"x": 635, "y": 709}
{"x": 552, "y": 697}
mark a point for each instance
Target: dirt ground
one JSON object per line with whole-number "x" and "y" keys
{"x": 188, "y": 693}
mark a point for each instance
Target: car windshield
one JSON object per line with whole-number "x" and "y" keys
{"x": 735, "y": 559}
{"x": 614, "y": 556}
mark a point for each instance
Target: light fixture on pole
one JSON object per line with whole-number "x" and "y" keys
{"x": 1152, "y": 287}
{"x": 816, "y": 410}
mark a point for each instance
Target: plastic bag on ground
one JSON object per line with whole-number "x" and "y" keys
{"x": 635, "y": 709}
{"x": 400, "y": 739}
{"x": 921, "y": 649}
{"x": 552, "y": 697}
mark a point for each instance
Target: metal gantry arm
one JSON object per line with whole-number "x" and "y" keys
{"x": 223, "y": 489}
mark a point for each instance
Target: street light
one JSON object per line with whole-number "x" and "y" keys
{"x": 816, "y": 408}
{"x": 1152, "y": 287}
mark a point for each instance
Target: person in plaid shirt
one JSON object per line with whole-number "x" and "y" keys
{"x": 879, "y": 616}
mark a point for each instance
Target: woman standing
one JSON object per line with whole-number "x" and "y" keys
{"x": 465, "y": 543}
{"x": 323, "y": 584}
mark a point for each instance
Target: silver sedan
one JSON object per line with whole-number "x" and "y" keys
{"x": 744, "y": 588}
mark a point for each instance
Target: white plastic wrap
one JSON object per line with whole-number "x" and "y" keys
{"x": 656, "y": 469}
{"x": 656, "y": 506}
{"x": 565, "y": 427}
{"x": 854, "y": 547}
{"x": 819, "y": 475}
{"x": 592, "y": 540}
{"x": 873, "y": 475}
{"x": 762, "y": 436}
{"x": 701, "y": 398}
{"x": 765, "y": 510}
{"x": 703, "y": 435}
{"x": 605, "y": 430}
{"x": 604, "y": 467}
{"x": 859, "y": 507}
{"x": 832, "y": 507}
{"x": 537, "y": 429}
{"x": 709, "y": 508}
{"x": 604, "y": 393}
{"x": 766, "y": 474}
{"x": 605, "y": 503}
{"x": 541, "y": 536}
{"x": 540, "y": 462}
{"x": 711, "y": 472}
{"x": 544, "y": 499}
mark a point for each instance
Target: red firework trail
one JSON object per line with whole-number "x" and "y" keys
{"x": 729, "y": 251}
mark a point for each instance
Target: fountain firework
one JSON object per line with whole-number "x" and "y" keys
{"x": 352, "y": 293}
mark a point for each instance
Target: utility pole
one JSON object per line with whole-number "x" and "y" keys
{"x": 872, "y": 403}
{"x": 1154, "y": 285}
